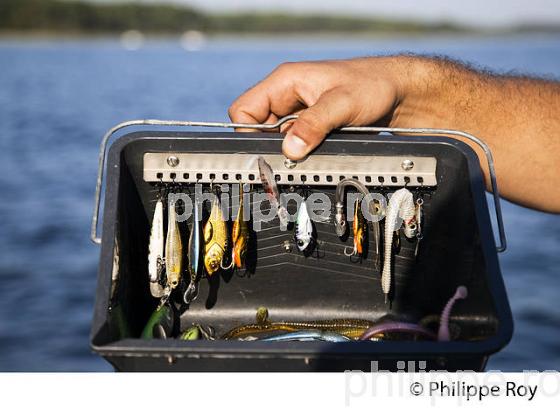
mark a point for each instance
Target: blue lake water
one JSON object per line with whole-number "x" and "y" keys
{"x": 57, "y": 98}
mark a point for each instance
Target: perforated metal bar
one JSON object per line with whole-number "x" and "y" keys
{"x": 315, "y": 170}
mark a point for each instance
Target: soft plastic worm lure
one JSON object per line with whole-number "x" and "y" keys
{"x": 443, "y": 333}
{"x": 271, "y": 188}
{"x": 215, "y": 238}
{"x": 304, "y": 228}
{"x": 351, "y": 328}
{"x": 400, "y": 327}
{"x": 173, "y": 249}
{"x": 195, "y": 243}
{"x": 418, "y": 329}
{"x": 401, "y": 205}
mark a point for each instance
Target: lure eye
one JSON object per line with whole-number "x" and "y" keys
{"x": 300, "y": 243}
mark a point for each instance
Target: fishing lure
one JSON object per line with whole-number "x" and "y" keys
{"x": 400, "y": 327}
{"x": 192, "y": 333}
{"x": 240, "y": 235}
{"x": 443, "y": 332}
{"x": 401, "y": 205}
{"x": 160, "y": 324}
{"x": 173, "y": 249}
{"x": 155, "y": 252}
{"x": 194, "y": 255}
{"x": 352, "y": 328}
{"x": 340, "y": 223}
{"x": 271, "y": 188}
{"x": 359, "y": 232}
{"x": 303, "y": 228}
{"x": 215, "y": 238}
{"x": 118, "y": 322}
{"x": 306, "y": 336}
{"x": 419, "y": 234}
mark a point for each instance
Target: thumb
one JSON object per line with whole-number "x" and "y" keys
{"x": 332, "y": 110}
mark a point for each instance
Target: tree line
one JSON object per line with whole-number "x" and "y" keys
{"x": 84, "y": 17}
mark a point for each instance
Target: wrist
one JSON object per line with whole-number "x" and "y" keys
{"x": 423, "y": 99}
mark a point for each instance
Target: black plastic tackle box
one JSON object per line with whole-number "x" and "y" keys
{"x": 457, "y": 248}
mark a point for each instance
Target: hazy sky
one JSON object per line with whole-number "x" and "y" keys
{"x": 477, "y": 12}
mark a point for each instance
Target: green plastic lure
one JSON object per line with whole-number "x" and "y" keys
{"x": 160, "y": 325}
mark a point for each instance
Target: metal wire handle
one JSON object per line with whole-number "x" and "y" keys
{"x": 426, "y": 131}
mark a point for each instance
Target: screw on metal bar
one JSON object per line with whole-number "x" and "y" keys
{"x": 288, "y": 163}
{"x": 172, "y": 161}
{"x": 407, "y": 164}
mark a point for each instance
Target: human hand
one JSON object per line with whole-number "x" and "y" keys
{"x": 326, "y": 95}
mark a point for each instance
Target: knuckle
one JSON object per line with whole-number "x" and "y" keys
{"x": 232, "y": 110}
{"x": 235, "y": 110}
{"x": 285, "y": 67}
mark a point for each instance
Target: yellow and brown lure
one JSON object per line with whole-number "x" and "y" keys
{"x": 173, "y": 249}
{"x": 359, "y": 232}
{"x": 215, "y": 238}
{"x": 240, "y": 235}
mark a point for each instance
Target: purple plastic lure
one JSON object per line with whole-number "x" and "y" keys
{"x": 401, "y": 327}
{"x": 443, "y": 333}
{"x": 413, "y": 328}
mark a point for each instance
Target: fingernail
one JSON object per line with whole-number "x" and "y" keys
{"x": 294, "y": 147}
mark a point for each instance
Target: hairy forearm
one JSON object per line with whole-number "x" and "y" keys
{"x": 517, "y": 117}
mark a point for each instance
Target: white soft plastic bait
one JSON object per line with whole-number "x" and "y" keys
{"x": 401, "y": 205}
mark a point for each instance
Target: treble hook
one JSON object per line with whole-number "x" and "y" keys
{"x": 229, "y": 266}
{"x": 191, "y": 293}
{"x": 160, "y": 186}
{"x": 165, "y": 298}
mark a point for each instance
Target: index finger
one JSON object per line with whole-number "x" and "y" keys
{"x": 273, "y": 97}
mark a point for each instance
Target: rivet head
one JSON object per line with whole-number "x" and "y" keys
{"x": 172, "y": 161}
{"x": 407, "y": 165}
{"x": 288, "y": 163}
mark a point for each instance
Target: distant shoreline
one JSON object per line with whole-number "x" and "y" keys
{"x": 148, "y": 37}
{"x": 83, "y": 19}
